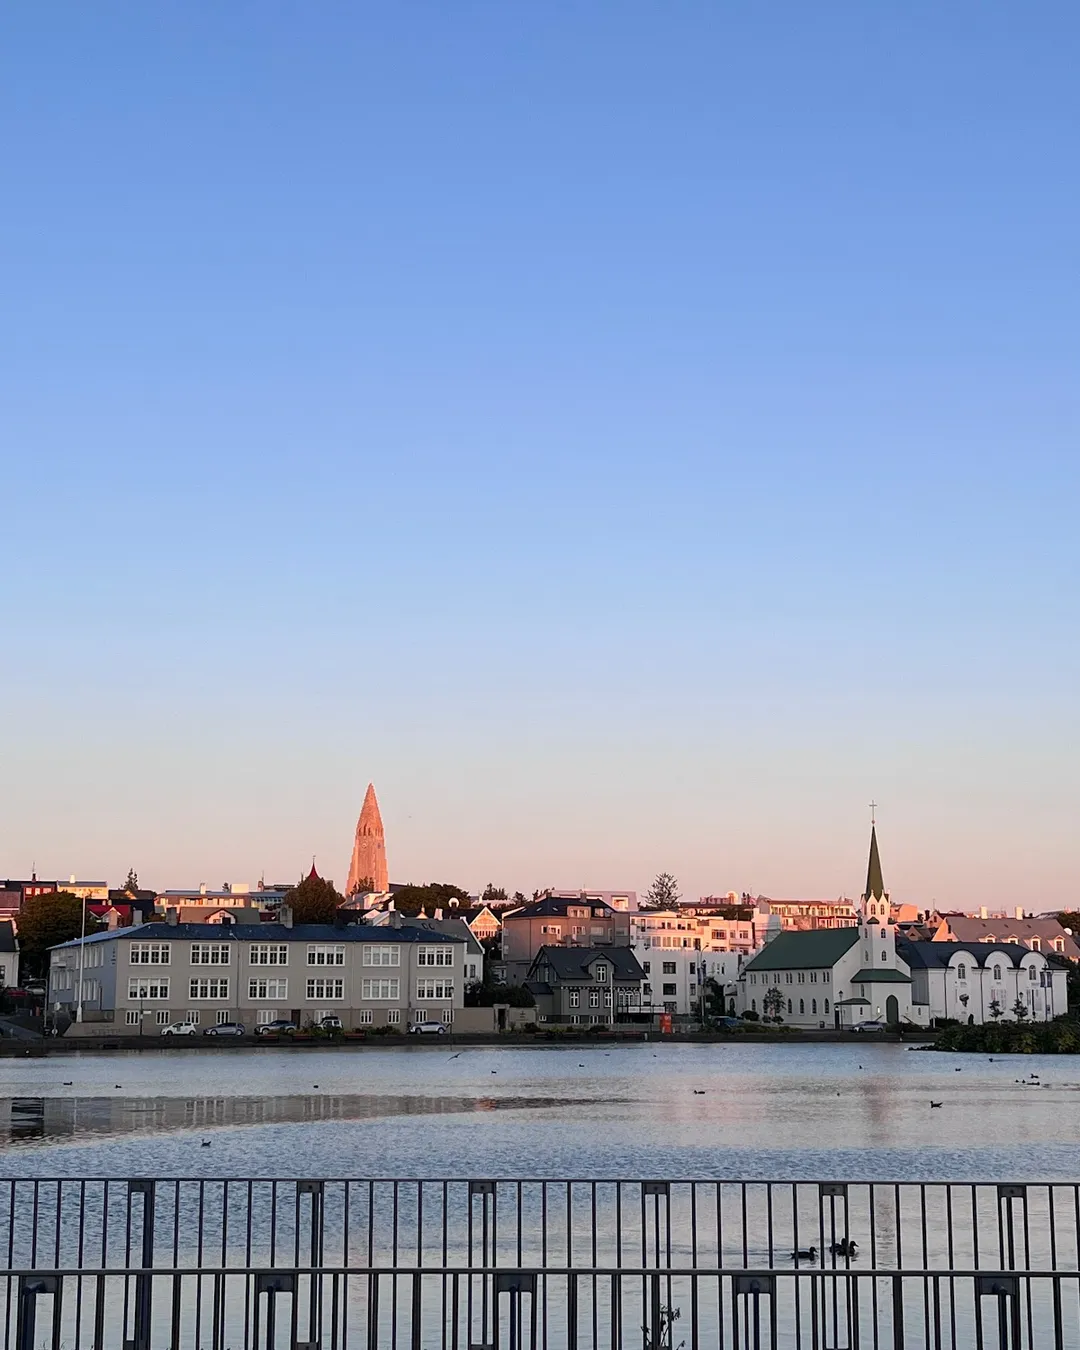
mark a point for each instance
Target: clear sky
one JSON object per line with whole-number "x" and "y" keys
{"x": 634, "y": 435}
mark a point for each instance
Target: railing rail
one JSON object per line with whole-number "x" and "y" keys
{"x": 365, "y": 1264}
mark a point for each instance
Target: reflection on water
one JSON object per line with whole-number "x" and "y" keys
{"x": 725, "y": 1110}
{"x": 34, "y": 1118}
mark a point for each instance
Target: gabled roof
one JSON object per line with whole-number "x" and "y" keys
{"x": 550, "y": 906}
{"x": 977, "y": 930}
{"x": 576, "y": 963}
{"x": 817, "y": 948}
{"x": 451, "y": 928}
{"x": 937, "y": 955}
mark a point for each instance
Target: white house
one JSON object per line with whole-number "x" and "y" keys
{"x": 976, "y": 981}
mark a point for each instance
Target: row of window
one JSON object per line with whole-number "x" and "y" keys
{"x": 802, "y": 1006}
{"x": 789, "y": 977}
{"x": 625, "y": 998}
{"x": 277, "y": 954}
{"x": 262, "y": 987}
{"x": 961, "y": 973}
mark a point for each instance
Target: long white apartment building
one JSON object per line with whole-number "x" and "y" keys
{"x": 137, "y": 980}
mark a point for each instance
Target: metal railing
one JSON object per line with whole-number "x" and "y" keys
{"x": 226, "y": 1264}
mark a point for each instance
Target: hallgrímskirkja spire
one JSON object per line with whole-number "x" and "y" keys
{"x": 367, "y": 871}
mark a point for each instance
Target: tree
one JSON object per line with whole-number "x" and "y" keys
{"x": 1070, "y": 918}
{"x": 313, "y": 900}
{"x": 132, "y": 883}
{"x": 47, "y": 920}
{"x": 410, "y": 900}
{"x": 364, "y": 886}
{"x": 519, "y": 899}
{"x": 493, "y": 895}
{"x": 996, "y": 1009}
{"x": 1019, "y": 1009}
{"x": 772, "y": 1005}
{"x": 663, "y": 893}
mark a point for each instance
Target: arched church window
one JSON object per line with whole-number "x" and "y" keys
{"x": 883, "y": 935}
{"x": 884, "y": 956}
{"x": 813, "y": 1006}
{"x": 826, "y": 1007}
{"x": 802, "y": 1007}
{"x": 789, "y": 1007}
{"x": 961, "y": 972}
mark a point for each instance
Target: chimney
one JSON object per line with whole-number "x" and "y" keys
{"x": 1019, "y": 911}
{"x": 172, "y": 917}
{"x": 202, "y": 887}
{"x": 982, "y": 912}
{"x": 113, "y": 920}
{"x": 395, "y": 919}
{"x": 285, "y": 916}
{"x": 438, "y": 914}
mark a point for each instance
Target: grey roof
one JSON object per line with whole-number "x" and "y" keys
{"x": 262, "y": 932}
{"x": 7, "y": 936}
{"x": 553, "y": 907}
{"x": 936, "y": 955}
{"x": 574, "y": 963}
{"x": 871, "y": 975}
{"x": 811, "y": 949}
{"x": 451, "y": 928}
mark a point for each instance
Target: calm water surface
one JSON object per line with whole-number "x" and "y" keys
{"x": 731, "y": 1111}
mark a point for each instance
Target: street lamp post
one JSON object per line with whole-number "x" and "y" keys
{"x": 82, "y": 944}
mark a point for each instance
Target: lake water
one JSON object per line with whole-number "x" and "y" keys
{"x": 725, "y": 1110}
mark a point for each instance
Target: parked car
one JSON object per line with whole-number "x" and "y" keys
{"x": 225, "y": 1029}
{"x": 36, "y": 988}
{"x": 331, "y": 1022}
{"x": 427, "y": 1029}
{"x": 180, "y": 1029}
{"x": 870, "y": 1026}
{"x": 281, "y": 1026}
{"x": 731, "y": 1023}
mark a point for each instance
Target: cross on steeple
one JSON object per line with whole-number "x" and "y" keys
{"x": 873, "y": 813}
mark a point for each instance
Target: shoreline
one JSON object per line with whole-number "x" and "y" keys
{"x": 46, "y": 1047}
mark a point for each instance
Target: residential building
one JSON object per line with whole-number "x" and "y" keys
{"x": 585, "y": 985}
{"x": 624, "y": 901}
{"x": 672, "y": 980}
{"x": 9, "y": 956}
{"x": 808, "y": 915}
{"x": 232, "y": 895}
{"x": 93, "y": 892}
{"x": 1038, "y": 935}
{"x": 552, "y": 922}
{"x": 142, "y": 978}
{"x": 14, "y": 894}
{"x": 484, "y": 923}
{"x": 980, "y": 981}
{"x": 454, "y": 927}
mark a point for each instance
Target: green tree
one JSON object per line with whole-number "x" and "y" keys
{"x": 47, "y": 920}
{"x": 1070, "y": 918}
{"x": 313, "y": 900}
{"x": 1019, "y": 1009}
{"x": 519, "y": 899}
{"x": 493, "y": 895}
{"x": 132, "y": 883}
{"x": 772, "y": 1005}
{"x": 410, "y": 900}
{"x": 996, "y": 1009}
{"x": 663, "y": 893}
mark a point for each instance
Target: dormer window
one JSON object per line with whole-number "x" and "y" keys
{"x": 1036, "y": 944}
{"x": 961, "y": 972}
{"x": 601, "y": 974}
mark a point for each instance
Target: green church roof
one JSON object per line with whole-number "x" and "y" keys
{"x": 817, "y": 949}
{"x": 871, "y": 976}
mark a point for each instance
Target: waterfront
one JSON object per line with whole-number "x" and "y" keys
{"x": 669, "y": 1110}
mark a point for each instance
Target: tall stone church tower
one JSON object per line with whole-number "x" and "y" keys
{"x": 367, "y": 871}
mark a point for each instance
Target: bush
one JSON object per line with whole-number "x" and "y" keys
{"x": 384, "y": 1031}
{"x": 751, "y": 1016}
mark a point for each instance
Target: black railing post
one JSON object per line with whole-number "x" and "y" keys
{"x": 31, "y": 1287}
{"x": 144, "y": 1286}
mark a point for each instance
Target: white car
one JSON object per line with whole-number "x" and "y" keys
{"x": 427, "y": 1029}
{"x": 870, "y": 1026}
{"x": 180, "y": 1029}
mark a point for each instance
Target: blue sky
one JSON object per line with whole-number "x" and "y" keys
{"x": 633, "y": 435}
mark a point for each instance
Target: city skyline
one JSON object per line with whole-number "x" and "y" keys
{"x": 636, "y": 437}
